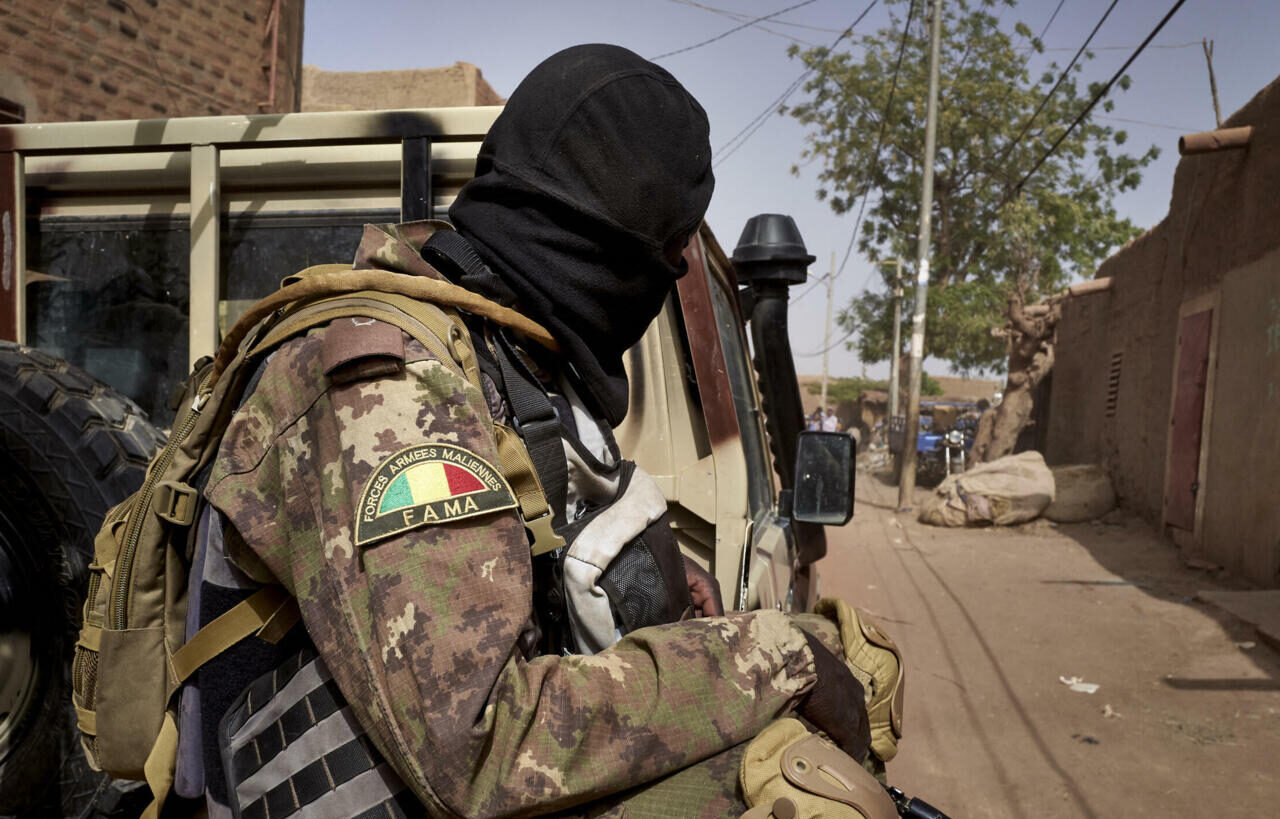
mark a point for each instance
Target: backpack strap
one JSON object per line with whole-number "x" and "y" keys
{"x": 334, "y": 280}
{"x": 535, "y": 418}
{"x": 537, "y": 424}
{"x": 162, "y": 761}
{"x": 427, "y": 323}
{"x": 517, "y": 466}
{"x": 269, "y": 613}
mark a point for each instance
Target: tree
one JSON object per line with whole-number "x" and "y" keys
{"x": 851, "y": 389}
{"x": 990, "y": 239}
{"x": 1030, "y": 331}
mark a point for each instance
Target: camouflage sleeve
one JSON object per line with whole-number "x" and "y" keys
{"x": 822, "y": 627}
{"x": 420, "y": 626}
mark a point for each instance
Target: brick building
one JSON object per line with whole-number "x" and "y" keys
{"x": 139, "y": 59}
{"x": 450, "y": 86}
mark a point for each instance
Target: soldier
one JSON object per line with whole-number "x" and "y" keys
{"x": 430, "y": 616}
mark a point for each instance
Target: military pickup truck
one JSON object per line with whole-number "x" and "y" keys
{"x": 130, "y": 247}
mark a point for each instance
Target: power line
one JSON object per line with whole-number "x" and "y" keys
{"x": 1098, "y": 96}
{"x": 808, "y": 289}
{"x": 1008, "y": 91}
{"x": 722, "y": 35}
{"x": 828, "y": 349}
{"x": 736, "y": 15}
{"x": 1026, "y": 126}
{"x": 757, "y": 122}
{"x": 865, "y": 283}
{"x": 1182, "y": 128}
{"x": 1052, "y": 17}
{"x": 901, "y": 51}
{"x": 771, "y": 28}
{"x": 1079, "y": 118}
{"x": 1196, "y": 44}
{"x": 884, "y": 122}
{"x": 1004, "y": 153}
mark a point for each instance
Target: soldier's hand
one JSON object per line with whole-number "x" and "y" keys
{"x": 837, "y": 703}
{"x": 704, "y": 589}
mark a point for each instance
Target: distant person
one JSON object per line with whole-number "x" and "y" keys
{"x": 815, "y": 421}
{"x": 829, "y": 422}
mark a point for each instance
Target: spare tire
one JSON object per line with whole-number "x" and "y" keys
{"x": 70, "y": 449}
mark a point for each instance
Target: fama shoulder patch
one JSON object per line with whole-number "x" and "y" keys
{"x": 428, "y": 484}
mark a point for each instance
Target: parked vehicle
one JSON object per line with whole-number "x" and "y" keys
{"x": 129, "y": 248}
{"x": 939, "y": 452}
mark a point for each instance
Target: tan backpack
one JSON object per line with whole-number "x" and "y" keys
{"x": 132, "y": 655}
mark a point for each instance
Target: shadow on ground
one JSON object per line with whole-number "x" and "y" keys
{"x": 1127, "y": 546}
{"x": 993, "y": 621}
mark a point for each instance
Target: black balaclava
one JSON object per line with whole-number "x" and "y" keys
{"x": 599, "y": 165}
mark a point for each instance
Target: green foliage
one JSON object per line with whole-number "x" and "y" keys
{"x": 851, "y": 389}
{"x": 987, "y": 239}
{"x": 846, "y": 389}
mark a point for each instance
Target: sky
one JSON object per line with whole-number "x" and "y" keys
{"x": 737, "y": 76}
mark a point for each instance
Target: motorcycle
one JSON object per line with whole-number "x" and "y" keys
{"x": 937, "y": 454}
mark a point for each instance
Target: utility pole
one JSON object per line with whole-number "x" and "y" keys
{"x": 907, "y": 480}
{"x": 1207, "y": 45}
{"x": 894, "y": 361}
{"x": 826, "y": 339}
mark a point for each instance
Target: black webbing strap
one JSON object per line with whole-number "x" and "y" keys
{"x": 535, "y": 418}
{"x": 450, "y": 245}
{"x": 538, "y": 426}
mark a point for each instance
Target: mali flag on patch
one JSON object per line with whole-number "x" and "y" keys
{"x": 424, "y": 483}
{"x": 428, "y": 484}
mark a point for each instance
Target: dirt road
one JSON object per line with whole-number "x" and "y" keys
{"x": 1186, "y": 718}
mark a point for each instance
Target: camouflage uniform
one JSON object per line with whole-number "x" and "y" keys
{"x": 420, "y": 630}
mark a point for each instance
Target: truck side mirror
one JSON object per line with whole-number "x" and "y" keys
{"x": 824, "y": 478}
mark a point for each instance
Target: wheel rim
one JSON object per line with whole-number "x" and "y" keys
{"x": 20, "y": 669}
{"x": 19, "y": 674}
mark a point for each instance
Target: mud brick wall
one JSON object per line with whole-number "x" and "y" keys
{"x": 1078, "y": 407}
{"x": 136, "y": 59}
{"x": 1218, "y": 243}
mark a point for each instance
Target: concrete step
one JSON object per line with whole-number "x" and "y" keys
{"x": 1261, "y": 609}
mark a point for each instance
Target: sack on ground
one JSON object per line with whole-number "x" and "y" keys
{"x": 1005, "y": 492}
{"x": 1081, "y": 492}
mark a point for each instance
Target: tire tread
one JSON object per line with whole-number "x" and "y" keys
{"x": 82, "y": 447}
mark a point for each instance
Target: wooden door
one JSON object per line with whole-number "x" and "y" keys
{"x": 1188, "y": 415}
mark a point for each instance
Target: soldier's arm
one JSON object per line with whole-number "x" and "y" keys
{"x": 420, "y": 626}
